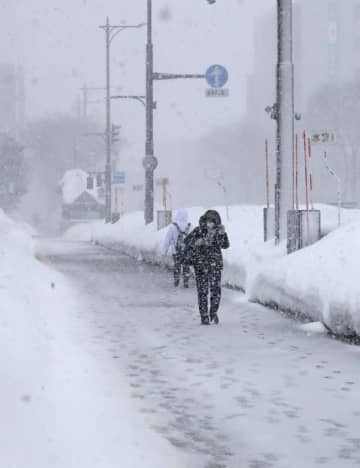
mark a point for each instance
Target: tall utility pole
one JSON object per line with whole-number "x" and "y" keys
{"x": 110, "y": 33}
{"x": 108, "y": 174}
{"x": 108, "y": 29}
{"x": 150, "y": 162}
{"x": 284, "y": 190}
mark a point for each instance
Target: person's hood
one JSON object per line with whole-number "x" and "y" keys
{"x": 182, "y": 219}
{"x": 211, "y": 215}
{"x": 202, "y": 222}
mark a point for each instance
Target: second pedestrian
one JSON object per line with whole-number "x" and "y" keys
{"x": 175, "y": 243}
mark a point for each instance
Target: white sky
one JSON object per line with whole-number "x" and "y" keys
{"x": 61, "y": 46}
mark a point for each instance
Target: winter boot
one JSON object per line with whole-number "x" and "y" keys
{"x": 205, "y": 320}
{"x": 214, "y": 318}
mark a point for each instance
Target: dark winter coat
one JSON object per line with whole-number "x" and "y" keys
{"x": 208, "y": 254}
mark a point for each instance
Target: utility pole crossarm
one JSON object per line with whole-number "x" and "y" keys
{"x": 175, "y": 76}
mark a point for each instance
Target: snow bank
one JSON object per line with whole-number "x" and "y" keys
{"x": 321, "y": 281}
{"x": 261, "y": 269}
{"x": 60, "y": 406}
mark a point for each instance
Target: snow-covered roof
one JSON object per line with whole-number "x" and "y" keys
{"x": 73, "y": 184}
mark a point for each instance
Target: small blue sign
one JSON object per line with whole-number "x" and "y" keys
{"x": 119, "y": 178}
{"x": 217, "y": 76}
{"x": 150, "y": 163}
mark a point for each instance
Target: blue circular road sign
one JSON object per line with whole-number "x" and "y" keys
{"x": 217, "y": 76}
{"x": 150, "y": 163}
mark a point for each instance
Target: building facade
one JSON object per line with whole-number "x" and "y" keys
{"x": 326, "y": 45}
{"x": 12, "y": 100}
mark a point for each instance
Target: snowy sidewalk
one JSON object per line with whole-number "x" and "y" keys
{"x": 60, "y": 406}
{"x": 258, "y": 390}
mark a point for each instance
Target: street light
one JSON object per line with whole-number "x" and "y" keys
{"x": 111, "y": 32}
{"x": 131, "y": 96}
{"x": 150, "y": 162}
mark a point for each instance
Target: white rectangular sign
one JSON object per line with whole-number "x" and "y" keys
{"x": 323, "y": 137}
{"x": 217, "y": 92}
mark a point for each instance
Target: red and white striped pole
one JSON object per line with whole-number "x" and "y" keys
{"x": 297, "y": 172}
{"x": 310, "y": 175}
{"x": 267, "y": 174}
{"x": 164, "y": 184}
{"x": 306, "y": 186}
{"x": 306, "y": 172}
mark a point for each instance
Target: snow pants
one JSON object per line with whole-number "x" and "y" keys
{"x": 208, "y": 280}
{"x": 178, "y": 266}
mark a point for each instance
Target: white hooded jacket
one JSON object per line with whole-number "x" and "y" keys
{"x": 182, "y": 220}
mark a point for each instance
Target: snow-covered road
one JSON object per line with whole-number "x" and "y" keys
{"x": 256, "y": 391}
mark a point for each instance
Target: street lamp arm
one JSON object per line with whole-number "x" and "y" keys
{"x": 126, "y": 26}
{"x": 175, "y": 76}
{"x": 119, "y": 29}
{"x": 136, "y": 98}
{"x": 115, "y": 30}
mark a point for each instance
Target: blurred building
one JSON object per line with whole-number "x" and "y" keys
{"x": 326, "y": 50}
{"x": 82, "y": 196}
{"x": 331, "y": 41}
{"x": 12, "y": 100}
{"x": 261, "y": 84}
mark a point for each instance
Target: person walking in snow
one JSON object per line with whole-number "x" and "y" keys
{"x": 175, "y": 242}
{"x": 203, "y": 250}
